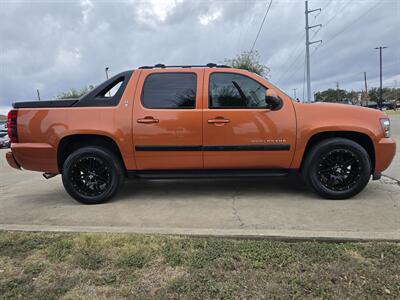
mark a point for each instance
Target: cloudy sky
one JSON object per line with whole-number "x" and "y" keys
{"x": 57, "y": 45}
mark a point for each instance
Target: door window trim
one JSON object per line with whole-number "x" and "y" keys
{"x": 169, "y": 108}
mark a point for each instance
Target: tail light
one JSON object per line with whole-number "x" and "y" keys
{"x": 12, "y": 126}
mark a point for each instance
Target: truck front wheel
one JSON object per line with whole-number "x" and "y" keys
{"x": 337, "y": 168}
{"x": 92, "y": 175}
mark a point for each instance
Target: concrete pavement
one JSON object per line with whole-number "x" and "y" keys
{"x": 254, "y": 207}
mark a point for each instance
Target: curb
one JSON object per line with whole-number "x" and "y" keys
{"x": 261, "y": 234}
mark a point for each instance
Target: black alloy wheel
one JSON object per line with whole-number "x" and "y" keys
{"x": 337, "y": 168}
{"x": 92, "y": 175}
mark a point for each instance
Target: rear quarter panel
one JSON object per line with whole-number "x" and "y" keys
{"x": 41, "y": 130}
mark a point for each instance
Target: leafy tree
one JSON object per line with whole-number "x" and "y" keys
{"x": 73, "y": 93}
{"x": 374, "y": 94}
{"x": 333, "y": 95}
{"x": 249, "y": 60}
{"x": 388, "y": 94}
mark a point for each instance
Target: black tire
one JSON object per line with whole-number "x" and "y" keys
{"x": 92, "y": 175}
{"x": 337, "y": 168}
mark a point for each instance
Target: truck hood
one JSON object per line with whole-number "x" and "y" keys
{"x": 337, "y": 109}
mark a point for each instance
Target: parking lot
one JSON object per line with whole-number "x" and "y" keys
{"x": 255, "y": 207}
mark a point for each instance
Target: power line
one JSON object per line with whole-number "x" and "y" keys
{"x": 297, "y": 69}
{"x": 352, "y": 23}
{"x": 261, "y": 26}
{"x": 294, "y": 63}
{"x": 316, "y": 48}
{"x": 293, "y": 67}
{"x": 339, "y": 11}
{"x": 347, "y": 26}
{"x": 314, "y": 34}
{"x": 329, "y": 3}
{"x": 293, "y": 53}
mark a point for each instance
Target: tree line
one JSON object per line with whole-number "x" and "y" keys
{"x": 358, "y": 98}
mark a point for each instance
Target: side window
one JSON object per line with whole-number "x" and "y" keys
{"x": 229, "y": 90}
{"x": 169, "y": 90}
{"x": 111, "y": 89}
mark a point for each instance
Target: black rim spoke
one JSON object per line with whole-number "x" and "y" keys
{"x": 90, "y": 176}
{"x": 339, "y": 170}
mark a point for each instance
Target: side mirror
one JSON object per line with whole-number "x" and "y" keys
{"x": 274, "y": 102}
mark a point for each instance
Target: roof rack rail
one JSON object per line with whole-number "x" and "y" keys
{"x": 162, "y": 66}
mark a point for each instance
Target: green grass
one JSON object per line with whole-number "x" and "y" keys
{"x": 87, "y": 266}
{"x": 393, "y": 112}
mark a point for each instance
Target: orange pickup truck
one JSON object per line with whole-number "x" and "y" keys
{"x": 197, "y": 121}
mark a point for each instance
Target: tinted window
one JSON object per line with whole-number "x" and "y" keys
{"x": 235, "y": 91}
{"x": 169, "y": 90}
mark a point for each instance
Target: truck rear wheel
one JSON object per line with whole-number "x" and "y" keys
{"x": 337, "y": 168}
{"x": 92, "y": 175}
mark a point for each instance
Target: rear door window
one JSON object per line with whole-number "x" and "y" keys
{"x": 169, "y": 91}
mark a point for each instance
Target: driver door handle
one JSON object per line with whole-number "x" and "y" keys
{"x": 147, "y": 120}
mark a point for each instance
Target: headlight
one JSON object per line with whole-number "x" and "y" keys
{"x": 385, "y": 122}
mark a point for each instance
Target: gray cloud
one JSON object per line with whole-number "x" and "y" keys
{"x": 58, "y": 45}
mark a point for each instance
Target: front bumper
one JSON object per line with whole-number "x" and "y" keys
{"x": 11, "y": 161}
{"x": 385, "y": 151}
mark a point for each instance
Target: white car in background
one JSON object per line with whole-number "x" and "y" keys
{"x": 4, "y": 141}
{"x": 3, "y": 127}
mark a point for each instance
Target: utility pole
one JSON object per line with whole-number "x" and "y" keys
{"x": 294, "y": 93}
{"x": 38, "y": 94}
{"x": 106, "y": 69}
{"x": 380, "y": 76}
{"x": 366, "y": 87}
{"x": 337, "y": 91}
{"x": 397, "y": 98}
{"x": 308, "y": 43}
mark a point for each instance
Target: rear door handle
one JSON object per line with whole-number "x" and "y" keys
{"x": 148, "y": 120}
{"x": 218, "y": 121}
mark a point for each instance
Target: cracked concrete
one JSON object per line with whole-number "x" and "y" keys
{"x": 235, "y": 212}
{"x": 395, "y": 180}
{"x": 251, "y": 207}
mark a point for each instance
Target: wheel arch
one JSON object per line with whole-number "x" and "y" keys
{"x": 70, "y": 143}
{"x": 360, "y": 138}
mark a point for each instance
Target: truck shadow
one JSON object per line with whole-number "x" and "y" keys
{"x": 158, "y": 189}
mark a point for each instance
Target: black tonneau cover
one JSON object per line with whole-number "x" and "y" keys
{"x": 47, "y": 103}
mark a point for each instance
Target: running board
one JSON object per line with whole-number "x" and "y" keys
{"x": 169, "y": 174}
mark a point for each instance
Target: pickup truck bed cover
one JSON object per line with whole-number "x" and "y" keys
{"x": 47, "y": 103}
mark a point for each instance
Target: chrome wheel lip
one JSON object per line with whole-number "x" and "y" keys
{"x": 339, "y": 170}
{"x": 90, "y": 176}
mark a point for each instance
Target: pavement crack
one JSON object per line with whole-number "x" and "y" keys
{"x": 392, "y": 178}
{"x": 235, "y": 212}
